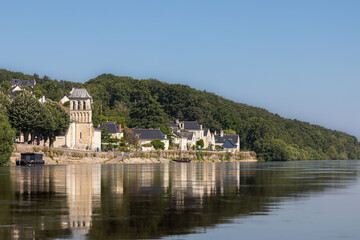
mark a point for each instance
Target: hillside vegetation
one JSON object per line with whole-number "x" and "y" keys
{"x": 152, "y": 104}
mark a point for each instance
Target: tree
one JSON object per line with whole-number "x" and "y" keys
{"x": 45, "y": 126}
{"x": 157, "y": 144}
{"x": 200, "y": 143}
{"x": 130, "y": 137}
{"x": 257, "y": 129}
{"x": 147, "y": 113}
{"x": 104, "y": 134}
{"x": 24, "y": 113}
{"x": 272, "y": 150}
{"x": 6, "y": 140}
{"x": 4, "y": 103}
{"x": 61, "y": 119}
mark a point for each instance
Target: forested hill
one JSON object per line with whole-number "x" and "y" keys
{"x": 151, "y": 103}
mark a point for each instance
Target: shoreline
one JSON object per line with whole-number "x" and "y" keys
{"x": 64, "y": 156}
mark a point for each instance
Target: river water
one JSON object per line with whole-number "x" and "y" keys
{"x": 281, "y": 200}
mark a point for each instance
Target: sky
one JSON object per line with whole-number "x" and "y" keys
{"x": 299, "y": 59}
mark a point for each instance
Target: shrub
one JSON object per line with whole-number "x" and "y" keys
{"x": 36, "y": 149}
{"x": 157, "y": 144}
{"x": 228, "y": 156}
{"x": 76, "y": 154}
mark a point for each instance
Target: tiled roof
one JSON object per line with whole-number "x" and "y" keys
{"x": 79, "y": 93}
{"x": 191, "y": 125}
{"x": 149, "y": 134}
{"x": 232, "y": 138}
{"x": 112, "y": 127}
{"x": 28, "y": 83}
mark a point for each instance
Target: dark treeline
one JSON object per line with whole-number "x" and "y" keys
{"x": 151, "y": 103}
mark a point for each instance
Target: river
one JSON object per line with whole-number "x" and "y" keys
{"x": 278, "y": 200}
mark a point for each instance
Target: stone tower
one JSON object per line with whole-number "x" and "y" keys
{"x": 80, "y": 106}
{"x": 81, "y": 133}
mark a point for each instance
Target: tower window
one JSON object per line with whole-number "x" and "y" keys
{"x": 84, "y": 108}
{"x": 80, "y": 135}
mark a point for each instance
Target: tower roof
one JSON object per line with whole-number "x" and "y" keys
{"x": 79, "y": 93}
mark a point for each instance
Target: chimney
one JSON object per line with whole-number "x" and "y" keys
{"x": 215, "y": 133}
{"x": 200, "y": 126}
{"x": 119, "y": 127}
{"x": 221, "y": 133}
{"x": 177, "y": 121}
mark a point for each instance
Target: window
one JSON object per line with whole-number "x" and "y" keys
{"x": 80, "y": 135}
{"x": 84, "y": 108}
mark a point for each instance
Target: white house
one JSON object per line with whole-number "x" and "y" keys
{"x": 147, "y": 135}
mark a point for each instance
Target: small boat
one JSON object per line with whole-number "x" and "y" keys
{"x": 182, "y": 160}
{"x": 30, "y": 158}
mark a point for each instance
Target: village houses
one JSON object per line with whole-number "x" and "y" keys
{"x": 81, "y": 133}
{"x": 187, "y": 133}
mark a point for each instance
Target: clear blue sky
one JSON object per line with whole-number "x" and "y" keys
{"x": 300, "y": 59}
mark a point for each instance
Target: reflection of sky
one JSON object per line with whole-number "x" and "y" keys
{"x": 92, "y": 193}
{"x": 334, "y": 215}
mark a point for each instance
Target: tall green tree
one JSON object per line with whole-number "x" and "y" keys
{"x": 61, "y": 120}
{"x": 4, "y": 103}
{"x": 147, "y": 113}
{"x": 24, "y": 113}
{"x": 6, "y": 140}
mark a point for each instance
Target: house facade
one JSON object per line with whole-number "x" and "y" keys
{"x": 113, "y": 128}
{"x": 185, "y": 140}
{"x": 228, "y": 141}
{"x": 145, "y": 136}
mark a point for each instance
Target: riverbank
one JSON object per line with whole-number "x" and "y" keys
{"x": 63, "y": 156}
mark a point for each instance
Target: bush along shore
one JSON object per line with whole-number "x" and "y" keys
{"x": 63, "y": 156}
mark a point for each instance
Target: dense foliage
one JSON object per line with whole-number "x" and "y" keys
{"x": 151, "y": 103}
{"x": 6, "y": 140}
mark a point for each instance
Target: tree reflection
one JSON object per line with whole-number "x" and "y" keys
{"x": 152, "y": 201}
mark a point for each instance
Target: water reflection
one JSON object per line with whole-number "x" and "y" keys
{"x": 152, "y": 201}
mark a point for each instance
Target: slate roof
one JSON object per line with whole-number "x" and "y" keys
{"x": 229, "y": 144}
{"x": 232, "y": 138}
{"x": 187, "y": 135}
{"x": 191, "y": 125}
{"x": 112, "y": 127}
{"x": 149, "y": 134}
{"x": 79, "y": 93}
{"x": 173, "y": 124}
{"x": 19, "y": 82}
{"x": 13, "y": 88}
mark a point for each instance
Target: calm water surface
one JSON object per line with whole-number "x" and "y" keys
{"x": 287, "y": 200}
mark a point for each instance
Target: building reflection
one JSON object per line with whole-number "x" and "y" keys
{"x": 83, "y": 189}
{"x": 78, "y": 191}
{"x": 78, "y": 185}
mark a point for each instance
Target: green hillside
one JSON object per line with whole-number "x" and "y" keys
{"x": 151, "y": 103}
